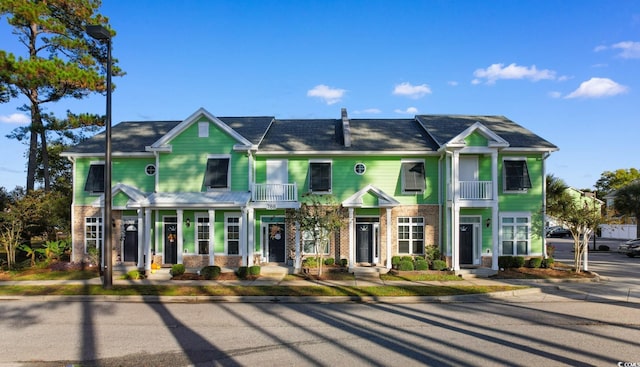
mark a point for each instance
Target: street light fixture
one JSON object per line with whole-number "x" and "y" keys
{"x": 100, "y": 33}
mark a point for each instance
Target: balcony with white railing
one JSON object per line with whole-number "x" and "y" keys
{"x": 476, "y": 190}
{"x": 272, "y": 193}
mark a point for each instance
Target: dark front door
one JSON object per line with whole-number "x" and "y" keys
{"x": 276, "y": 243}
{"x": 170, "y": 240}
{"x": 130, "y": 242}
{"x": 364, "y": 242}
{"x": 466, "y": 243}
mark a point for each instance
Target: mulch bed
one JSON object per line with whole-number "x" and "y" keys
{"x": 541, "y": 273}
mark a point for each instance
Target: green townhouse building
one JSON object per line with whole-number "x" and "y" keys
{"x": 216, "y": 190}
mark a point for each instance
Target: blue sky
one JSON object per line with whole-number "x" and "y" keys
{"x": 567, "y": 70}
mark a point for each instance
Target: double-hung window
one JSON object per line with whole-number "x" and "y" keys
{"x": 232, "y": 234}
{"x": 320, "y": 176}
{"x": 95, "y": 178}
{"x": 217, "y": 174}
{"x": 202, "y": 234}
{"x": 92, "y": 233}
{"x": 411, "y": 235}
{"x": 309, "y": 242}
{"x": 515, "y": 229}
{"x": 413, "y": 177}
{"x": 516, "y": 175}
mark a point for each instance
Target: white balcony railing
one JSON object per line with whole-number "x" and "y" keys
{"x": 476, "y": 190}
{"x": 274, "y": 192}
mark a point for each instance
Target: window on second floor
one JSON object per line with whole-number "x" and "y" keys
{"x": 217, "y": 174}
{"x": 413, "y": 177}
{"x": 95, "y": 178}
{"x": 516, "y": 175}
{"x": 320, "y": 177}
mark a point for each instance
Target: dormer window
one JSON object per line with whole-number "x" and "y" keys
{"x": 95, "y": 178}
{"x": 516, "y": 175}
{"x": 217, "y": 174}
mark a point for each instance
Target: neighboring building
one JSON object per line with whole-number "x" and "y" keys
{"x": 216, "y": 190}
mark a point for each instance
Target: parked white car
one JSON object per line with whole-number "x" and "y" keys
{"x": 630, "y": 248}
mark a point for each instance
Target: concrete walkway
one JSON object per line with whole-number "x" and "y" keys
{"x": 596, "y": 290}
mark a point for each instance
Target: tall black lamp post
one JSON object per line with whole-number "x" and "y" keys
{"x": 100, "y": 33}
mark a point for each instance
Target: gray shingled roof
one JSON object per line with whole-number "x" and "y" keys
{"x": 366, "y": 135}
{"x": 252, "y": 128}
{"x": 126, "y": 137}
{"x": 443, "y": 128}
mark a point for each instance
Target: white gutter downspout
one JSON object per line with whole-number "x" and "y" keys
{"x": 74, "y": 257}
{"x": 440, "y": 204}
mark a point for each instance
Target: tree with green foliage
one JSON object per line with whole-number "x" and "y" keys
{"x": 60, "y": 61}
{"x": 320, "y": 216}
{"x": 613, "y": 180}
{"x": 580, "y": 215}
{"x": 627, "y": 202}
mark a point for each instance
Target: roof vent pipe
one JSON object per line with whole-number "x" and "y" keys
{"x": 346, "y": 129}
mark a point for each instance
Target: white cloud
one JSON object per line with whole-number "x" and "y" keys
{"x": 600, "y": 48}
{"x": 452, "y": 83}
{"x": 327, "y": 94}
{"x": 411, "y": 91}
{"x": 597, "y": 88}
{"x": 368, "y": 111}
{"x": 630, "y": 50}
{"x": 513, "y": 71}
{"x": 408, "y": 111}
{"x": 15, "y": 118}
{"x": 555, "y": 94}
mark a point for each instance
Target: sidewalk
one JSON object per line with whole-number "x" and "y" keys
{"x": 599, "y": 290}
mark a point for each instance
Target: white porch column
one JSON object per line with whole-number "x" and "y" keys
{"x": 495, "y": 218}
{"x": 389, "y": 229}
{"x": 352, "y": 246}
{"x": 212, "y": 220}
{"x": 455, "y": 235}
{"x": 251, "y": 246}
{"x": 297, "y": 262}
{"x": 141, "y": 244}
{"x": 147, "y": 239}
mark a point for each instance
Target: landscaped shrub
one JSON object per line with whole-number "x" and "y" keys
{"x": 548, "y": 262}
{"x": 422, "y": 264}
{"x": 518, "y": 261}
{"x": 603, "y": 248}
{"x": 310, "y": 262}
{"x": 405, "y": 265}
{"x": 535, "y": 262}
{"x": 134, "y": 274}
{"x": 329, "y": 261}
{"x": 344, "y": 262}
{"x": 254, "y": 270}
{"x": 395, "y": 261}
{"x": 211, "y": 272}
{"x": 242, "y": 272}
{"x": 505, "y": 262}
{"x": 439, "y": 265}
{"x": 431, "y": 253}
{"x": 406, "y": 258}
{"x": 177, "y": 270}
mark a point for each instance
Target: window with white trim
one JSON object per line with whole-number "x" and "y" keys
{"x": 92, "y": 233}
{"x": 203, "y": 129}
{"x": 320, "y": 177}
{"x": 95, "y": 178}
{"x": 413, "y": 177}
{"x": 411, "y": 235}
{"x": 515, "y": 230}
{"x": 217, "y": 172}
{"x": 202, "y": 234}
{"x": 516, "y": 175}
{"x": 309, "y": 242}
{"x": 232, "y": 234}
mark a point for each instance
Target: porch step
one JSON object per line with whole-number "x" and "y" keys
{"x": 476, "y": 272}
{"x": 159, "y": 274}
